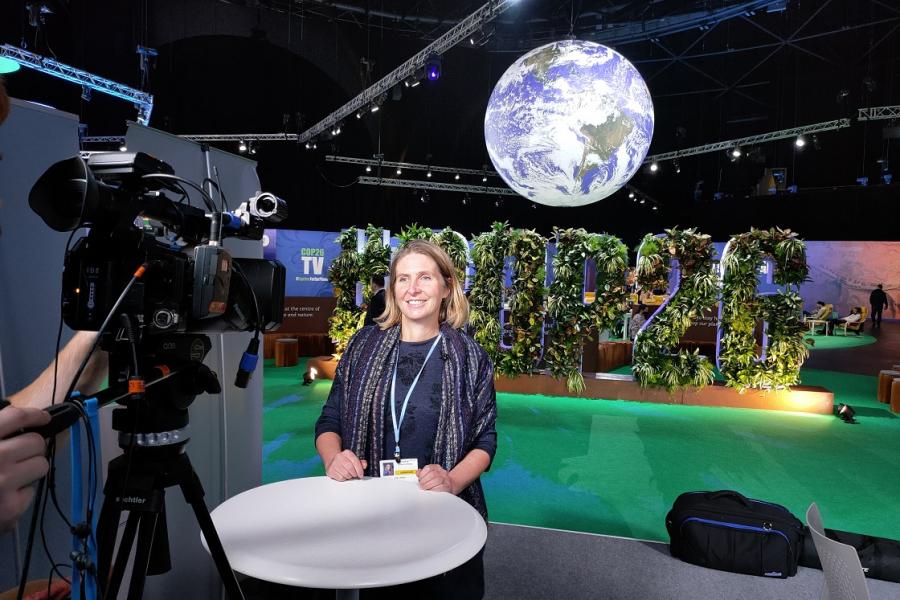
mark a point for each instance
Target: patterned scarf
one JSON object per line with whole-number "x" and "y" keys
{"x": 468, "y": 404}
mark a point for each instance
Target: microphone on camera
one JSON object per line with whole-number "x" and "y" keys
{"x": 62, "y": 416}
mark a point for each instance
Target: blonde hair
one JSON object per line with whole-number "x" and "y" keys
{"x": 454, "y": 308}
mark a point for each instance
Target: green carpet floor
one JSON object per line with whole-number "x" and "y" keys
{"x": 615, "y": 467}
{"x": 832, "y": 342}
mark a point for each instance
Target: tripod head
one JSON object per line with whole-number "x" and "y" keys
{"x": 155, "y": 380}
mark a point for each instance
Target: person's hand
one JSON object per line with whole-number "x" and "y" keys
{"x": 345, "y": 465}
{"x": 22, "y": 461}
{"x": 434, "y": 479}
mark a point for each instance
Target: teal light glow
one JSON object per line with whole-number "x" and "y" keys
{"x": 8, "y": 65}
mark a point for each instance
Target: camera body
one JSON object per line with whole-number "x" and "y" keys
{"x": 188, "y": 283}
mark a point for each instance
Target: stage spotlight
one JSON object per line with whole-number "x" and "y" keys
{"x": 655, "y": 207}
{"x": 423, "y": 197}
{"x": 251, "y": 148}
{"x": 654, "y": 167}
{"x": 399, "y": 171}
{"x": 368, "y": 168}
{"x": 307, "y": 145}
{"x": 359, "y": 114}
{"x": 642, "y": 201}
{"x": 465, "y": 199}
{"x": 677, "y": 166}
{"x": 631, "y": 194}
{"x": 242, "y": 147}
{"x": 800, "y": 141}
{"x": 428, "y": 174}
{"x": 433, "y": 67}
{"x": 484, "y": 179}
{"x": 845, "y": 412}
{"x": 123, "y": 147}
{"x": 310, "y": 375}
{"x": 456, "y": 177}
{"x": 8, "y": 65}
{"x": 736, "y": 152}
{"x": 375, "y": 108}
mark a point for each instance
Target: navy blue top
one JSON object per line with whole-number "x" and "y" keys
{"x": 419, "y": 427}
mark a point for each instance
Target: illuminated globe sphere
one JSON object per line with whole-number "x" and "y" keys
{"x": 569, "y": 123}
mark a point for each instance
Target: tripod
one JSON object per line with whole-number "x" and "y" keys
{"x": 153, "y": 434}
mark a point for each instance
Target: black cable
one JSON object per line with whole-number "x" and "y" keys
{"x": 337, "y": 185}
{"x": 259, "y": 323}
{"x": 218, "y": 189}
{"x": 39, "y": 496}
{"x": 51, "y": 455}
{"x": 206, "y": 197}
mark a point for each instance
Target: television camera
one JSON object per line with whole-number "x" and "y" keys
{"x": 153, "y": 278}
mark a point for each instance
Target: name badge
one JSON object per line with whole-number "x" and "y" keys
{"x": 405, "y": 469}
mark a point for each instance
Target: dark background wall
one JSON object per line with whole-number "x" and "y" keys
{"x": 229, "y": 67}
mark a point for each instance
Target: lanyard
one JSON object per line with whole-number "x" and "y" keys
{"x": 406, "y": 400}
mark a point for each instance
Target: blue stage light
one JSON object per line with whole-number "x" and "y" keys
{"x": 433, "y": 68}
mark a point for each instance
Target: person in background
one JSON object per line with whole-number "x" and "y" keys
{"x": 878, "y": 300}
{"x": 823, "y": 311}
{"x": 637, "y": 320}
{"x": 854, "y": 317}
{"x": 22, "y": 460}
{"x": 417, "y": 387}
{"x": 376, "y": 304}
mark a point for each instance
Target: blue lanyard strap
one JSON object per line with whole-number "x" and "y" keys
{"x": 406, "y": 400}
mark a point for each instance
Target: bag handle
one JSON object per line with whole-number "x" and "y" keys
{"x": 730, "y": 494}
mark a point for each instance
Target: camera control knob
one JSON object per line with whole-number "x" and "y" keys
{"x": 164, "y": 318}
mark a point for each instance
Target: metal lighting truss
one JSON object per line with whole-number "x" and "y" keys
{"x": 142, "y": 100}
{"x": 877, "y": 113}
{"x": 242, "y": 137}
{"x": 375, "y": 162}
{"x": 459, "y": 32}
{"x": 750, "y": 140}
{"x": 435, "y": 186}
{"x": 227, "y": 137}
{"x": 103, "y": 139}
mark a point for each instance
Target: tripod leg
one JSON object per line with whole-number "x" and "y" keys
{"x": 107, "y": 530}
{"x": 118, "y": 570}
{"x": 193, "y": 495}
{"x": 142, "y": 555}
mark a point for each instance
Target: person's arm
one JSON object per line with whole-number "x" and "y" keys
{"x": 435, "y": 479}
{"x": 37, "y": 393}
{"x": 479, "y": 458}
{"x": 22, "y": 461}
{"x": 340, "y": 465}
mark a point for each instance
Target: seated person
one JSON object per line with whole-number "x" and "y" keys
{"x": 823, "y": 311}
{"x": 854, "y": 317}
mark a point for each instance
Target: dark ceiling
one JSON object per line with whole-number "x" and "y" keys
{"x": 715, "y": 72}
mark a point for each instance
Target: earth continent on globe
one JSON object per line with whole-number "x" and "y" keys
{"x": 569, "y": 123}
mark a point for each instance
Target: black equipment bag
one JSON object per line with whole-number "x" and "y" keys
{"x": 725, "y": 530}
{"x": 879, "y": 557}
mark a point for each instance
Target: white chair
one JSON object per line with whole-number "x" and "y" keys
{"x": 844, "y": 577}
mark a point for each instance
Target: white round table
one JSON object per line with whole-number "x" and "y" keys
{"x": 317, "y": 532}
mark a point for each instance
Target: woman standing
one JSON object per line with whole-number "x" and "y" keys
{"x": 414, "y": 386}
